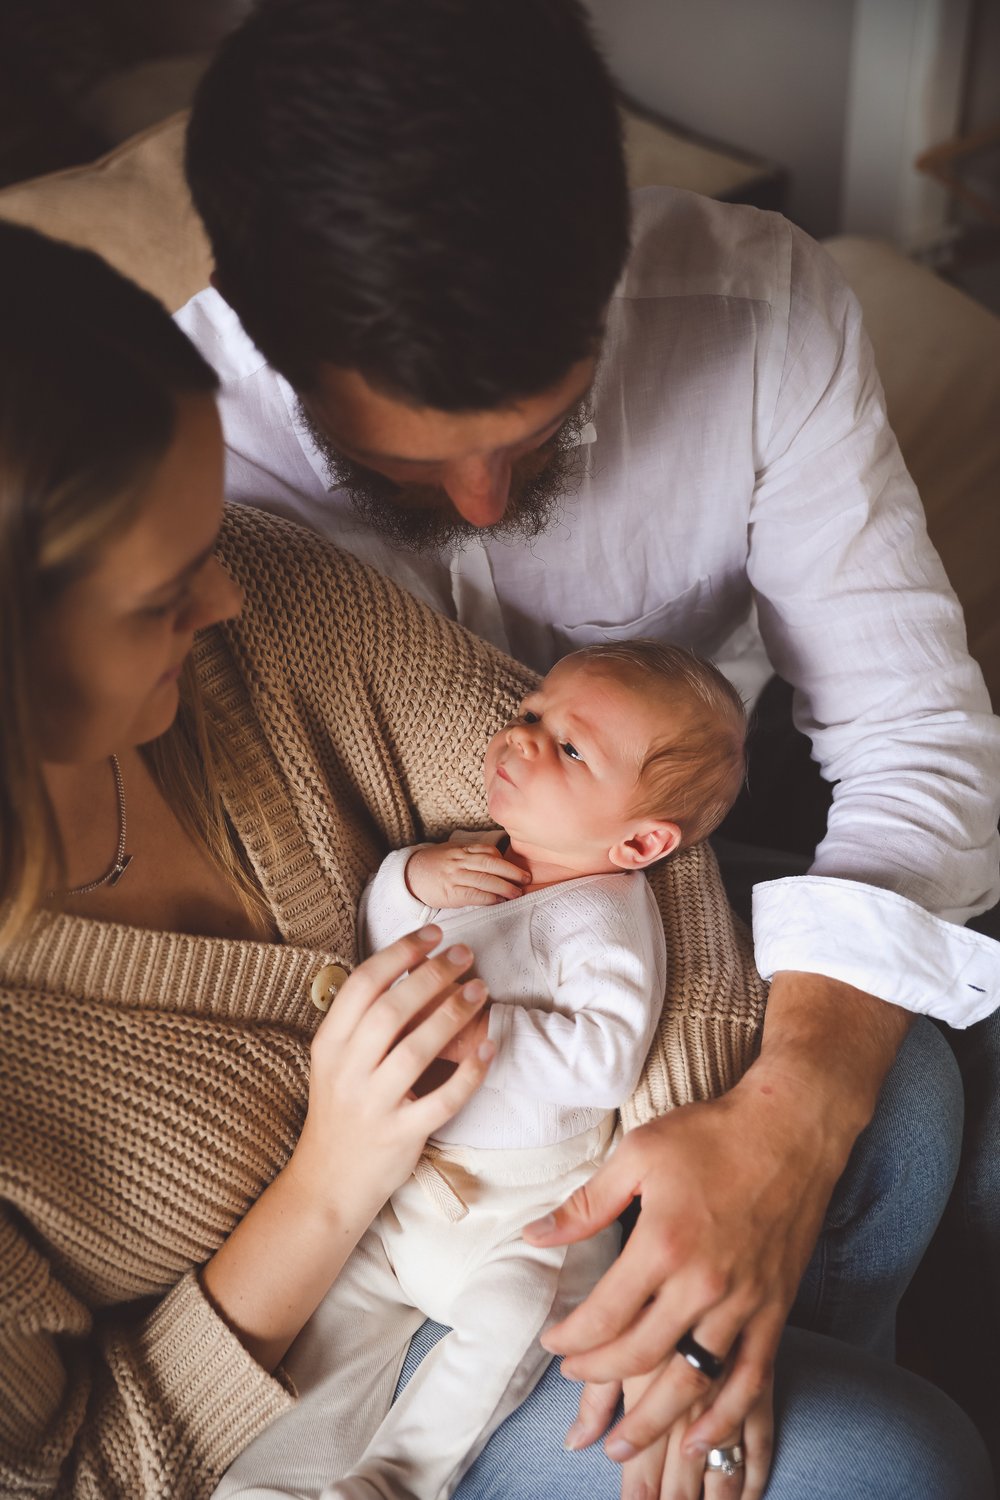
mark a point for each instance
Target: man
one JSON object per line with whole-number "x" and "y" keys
{"x": 420, "y": 219}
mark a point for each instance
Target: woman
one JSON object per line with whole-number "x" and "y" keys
{"x": 190, "y": 804}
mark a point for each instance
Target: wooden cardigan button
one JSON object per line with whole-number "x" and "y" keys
{"x": 323, "y": 990}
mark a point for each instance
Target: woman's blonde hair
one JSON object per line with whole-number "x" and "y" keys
{"x": 91, "y": 369}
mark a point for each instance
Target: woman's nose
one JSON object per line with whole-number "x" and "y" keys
{"x": 215, "y": 597}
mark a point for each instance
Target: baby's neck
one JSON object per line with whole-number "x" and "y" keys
{"x": 547, "y": 868}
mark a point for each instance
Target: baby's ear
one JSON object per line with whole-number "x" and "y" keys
{"x": 650, "y": 842}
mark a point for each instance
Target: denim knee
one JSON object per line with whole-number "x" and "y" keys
{"x": 851, "y": 1425}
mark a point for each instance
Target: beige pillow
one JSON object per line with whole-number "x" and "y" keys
{"x": 132, "y": 206}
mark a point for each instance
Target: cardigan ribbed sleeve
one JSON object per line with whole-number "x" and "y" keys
{"x": 143, "y": 1403}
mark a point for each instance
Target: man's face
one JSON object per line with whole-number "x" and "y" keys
{"x": 426, "y": 478}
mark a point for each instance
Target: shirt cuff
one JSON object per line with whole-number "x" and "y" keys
{"x": 878, "y": 942}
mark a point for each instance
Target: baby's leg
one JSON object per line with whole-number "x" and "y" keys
{"x": 344, "y": 1365}
{"x": 484, "y": 1368}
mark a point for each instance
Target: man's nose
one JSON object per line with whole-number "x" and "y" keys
{"x": 479, "y": 488}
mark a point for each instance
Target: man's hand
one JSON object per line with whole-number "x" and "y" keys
{"x": 447, "y": 875}
{"x": 733, "y": 1196}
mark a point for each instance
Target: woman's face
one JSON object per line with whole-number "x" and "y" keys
{"x": 107, "y": 656}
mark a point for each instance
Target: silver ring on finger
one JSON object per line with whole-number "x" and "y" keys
{"x": 725, "y": 1460}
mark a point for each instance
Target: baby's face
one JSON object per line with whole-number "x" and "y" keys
{"x": 563, "y": 775}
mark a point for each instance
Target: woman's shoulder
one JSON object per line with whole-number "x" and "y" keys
{"x": 266, "y": 552}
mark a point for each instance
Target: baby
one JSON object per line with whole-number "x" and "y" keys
{"x": 622, "y": 755}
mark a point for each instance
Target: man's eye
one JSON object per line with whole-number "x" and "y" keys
{"x": 570, "y": 750}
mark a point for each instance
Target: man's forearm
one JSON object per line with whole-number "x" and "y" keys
{"x": 825, "y": 1052}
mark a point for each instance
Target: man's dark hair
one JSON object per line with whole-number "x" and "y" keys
{"x": 431, "y": 192}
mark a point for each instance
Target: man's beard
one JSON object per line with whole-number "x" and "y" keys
{"x": 422, "y": 518}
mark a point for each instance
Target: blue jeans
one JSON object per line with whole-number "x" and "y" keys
{"x": 849, "y": 1427}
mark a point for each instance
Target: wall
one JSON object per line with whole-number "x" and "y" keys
{"x": 768, "y": 75}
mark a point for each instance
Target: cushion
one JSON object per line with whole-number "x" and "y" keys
{"x": 132, "y": 206}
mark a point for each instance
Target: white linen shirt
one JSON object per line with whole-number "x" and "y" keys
{"x": 739, "y": 464}
{"x": 576, "y": 974}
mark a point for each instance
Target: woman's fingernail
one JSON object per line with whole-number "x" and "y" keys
{"x": 486, "y": 1051}
{"x": 576, "y": 1437}
{"x": 429, "y": 934}
{"x": 474, "y": 991}
{"x": 619, "y": 1451}
{"x": 459, "y": 954}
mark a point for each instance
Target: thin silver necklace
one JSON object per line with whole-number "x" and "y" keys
{"x": 122, "y": 860}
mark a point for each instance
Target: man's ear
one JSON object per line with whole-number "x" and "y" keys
{"x": 651, "y": 841}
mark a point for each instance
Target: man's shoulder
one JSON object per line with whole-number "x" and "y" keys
{"x": 220, "y": 337}
{"x": 687, "y": 245}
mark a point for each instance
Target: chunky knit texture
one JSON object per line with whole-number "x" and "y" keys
{"x": 154, "y": 1083}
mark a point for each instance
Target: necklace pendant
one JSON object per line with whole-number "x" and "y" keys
{"x": 119, "y": 869}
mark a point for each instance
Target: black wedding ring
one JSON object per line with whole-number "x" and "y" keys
{"x": 700, "y": 1358}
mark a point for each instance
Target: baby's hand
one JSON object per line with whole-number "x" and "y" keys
{"x": 443, "y": 875}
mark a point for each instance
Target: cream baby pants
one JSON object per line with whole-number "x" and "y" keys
{"x": 345, "y": 1439}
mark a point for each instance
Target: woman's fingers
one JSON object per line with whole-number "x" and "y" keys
{"x": 382, "y": 1025}
{"x": 373, "y": 977}
{"x": 643, "y": 1476}
{"x": 430, "y": 1112}
{"x": 410, "y": 1057}
{"x": 598, "y": 1401}
{"x": 758, "y": 1445}
{"x": 722, "y": 1486}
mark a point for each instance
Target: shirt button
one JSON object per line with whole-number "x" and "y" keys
{"x": 323, "y": 990}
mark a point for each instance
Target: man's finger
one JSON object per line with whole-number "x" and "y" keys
{"x": 593, "y": 1206}
{"x": 749, "y": 1378}
{"x": 669, "y": 1396}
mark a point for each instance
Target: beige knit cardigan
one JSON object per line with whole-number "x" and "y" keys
{"x": 153, "y": 1083}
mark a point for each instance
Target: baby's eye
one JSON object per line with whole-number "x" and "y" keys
{"x": 570, "y": 750}
{"x": 527, "y": 717}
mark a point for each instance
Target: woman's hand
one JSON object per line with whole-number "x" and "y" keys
{"x": 664, "y": 1471}
{"x": 364, "y": 1127}
{"x": 450, "y": 874}
{"x": 363, "y": 1133}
